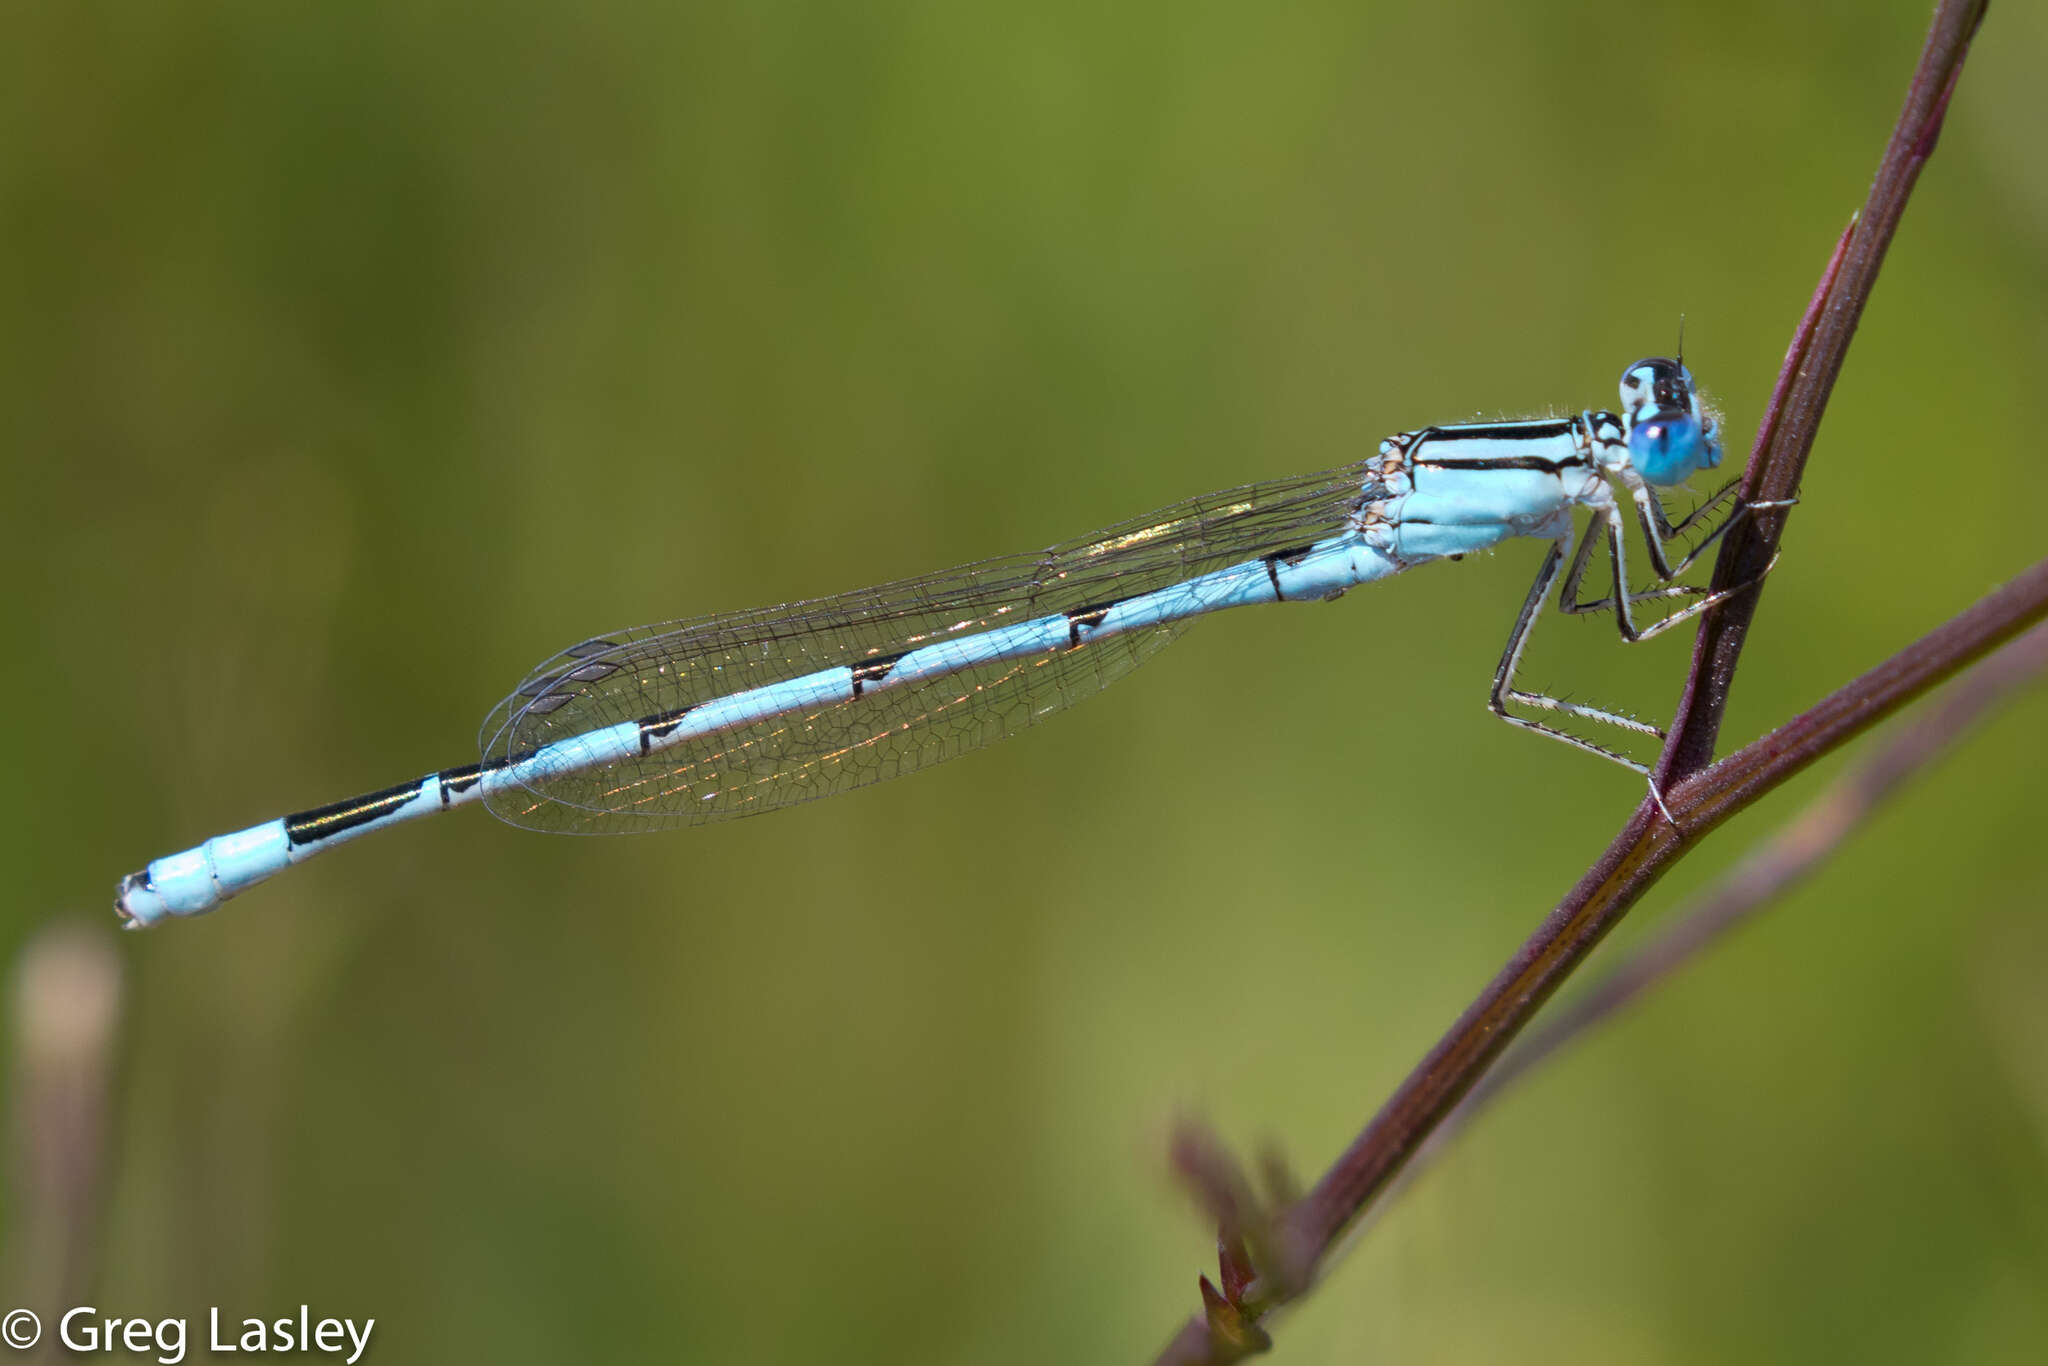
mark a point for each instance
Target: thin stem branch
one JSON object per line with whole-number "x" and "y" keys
{"x": 1699, "y": 798}
{"x": 1776, "y": 866}
{"x": 1785, "y": 438}
{"x": 1629, "y": 868}
{"x": 1648, "y": 848}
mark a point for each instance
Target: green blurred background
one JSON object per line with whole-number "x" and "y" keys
{"x": 356, "y": 357}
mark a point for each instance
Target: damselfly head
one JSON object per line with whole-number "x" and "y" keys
{"x": 1670, "y": 432}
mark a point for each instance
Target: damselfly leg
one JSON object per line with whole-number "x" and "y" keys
{"x": 1609, "y": 525}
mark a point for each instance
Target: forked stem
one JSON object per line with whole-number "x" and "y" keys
{"x": 1696, "y": 797}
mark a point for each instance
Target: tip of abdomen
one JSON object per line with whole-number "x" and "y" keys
{"x": 137, "y": 902}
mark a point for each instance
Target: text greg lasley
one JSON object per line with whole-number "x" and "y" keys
{"x": 303, "y": 1334}
{"x": 85, "y": 1330}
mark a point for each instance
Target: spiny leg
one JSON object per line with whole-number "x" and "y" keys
{"x": 1667, "y": 529}
{"x": 1657, "y": 527}
{"x": 1633, "y": 636}
{"x": 1608, "y": 525}
{"x": 1505, "y": 692}
{"x": 1568, "y": 598}
{"x": 1607, "y": 520}
{"x": 1618, "y": 555}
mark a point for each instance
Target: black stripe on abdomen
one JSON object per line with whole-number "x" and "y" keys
{"x": 1290, "y": 558}
{"x": 874, "y": 670}
{"x": 456, "y": 781}
{"x": 1089, "y": 617}
{"x": 660, "y": 726}
{"x": 325, "y": 822}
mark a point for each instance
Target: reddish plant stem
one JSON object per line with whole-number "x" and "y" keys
{"x": 1785, "y": 438}
{"x": 1773, "y": 869}
{"x": 1629, "y": 868}
{"x": 1699, "y": 800}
